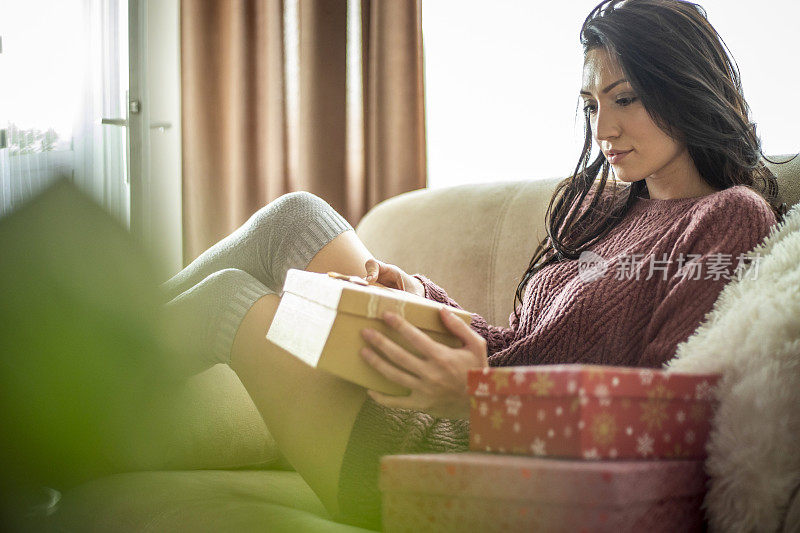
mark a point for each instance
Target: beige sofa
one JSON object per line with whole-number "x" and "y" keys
{"x": 222, "y": 472}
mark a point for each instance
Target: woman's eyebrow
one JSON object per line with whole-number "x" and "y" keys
{"x": 608, "y": 88}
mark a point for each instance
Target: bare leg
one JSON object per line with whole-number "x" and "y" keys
{"x": 309, "y": 412}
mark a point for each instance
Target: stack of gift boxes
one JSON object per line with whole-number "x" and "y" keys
{"x": 564, "y": 448}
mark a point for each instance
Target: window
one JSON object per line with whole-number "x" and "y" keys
{"x": 63, "y": 66}
{"x": 502, "y": 81}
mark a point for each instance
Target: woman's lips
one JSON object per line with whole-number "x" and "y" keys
{"x": 616, "y": 158}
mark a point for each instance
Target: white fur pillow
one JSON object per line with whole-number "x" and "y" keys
{"x": 752, "y": 337}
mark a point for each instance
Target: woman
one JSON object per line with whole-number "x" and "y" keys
{"x": 659, "y": 87}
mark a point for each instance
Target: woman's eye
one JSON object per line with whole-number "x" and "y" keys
{"x": 624, "y": 102}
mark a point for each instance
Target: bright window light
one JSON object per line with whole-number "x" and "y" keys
{"x": 502, "y": 81}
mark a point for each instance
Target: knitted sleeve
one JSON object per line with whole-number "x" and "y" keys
{"x": 497, "y": 337}
{"x": 704, "y": 259}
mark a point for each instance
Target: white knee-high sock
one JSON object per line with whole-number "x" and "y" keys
{"x": 284, "y": 234}
{"x": 204, "y": 319}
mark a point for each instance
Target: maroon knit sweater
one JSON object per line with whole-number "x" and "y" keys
{"x": 621, "y": 317}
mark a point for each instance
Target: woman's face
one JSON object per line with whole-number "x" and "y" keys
{"x": 620, "y": 122}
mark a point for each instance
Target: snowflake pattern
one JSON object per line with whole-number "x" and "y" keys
{"x": 513, "y": 405}
{"x": 538, "y": 447}
{"x": 542, "y": 385}
{"x": 604, "y": 429}
{"x": 677, "y": 451}
{"x": 594, "y": 372}
{"x": 644, "y": 445}
{"x": 601, "y": 391}
{"x": 654, "y": 410}
{"x": 500, "y": 378}
{"x": 704, "y": 391}
{"x": 573, "y": 407}
{"x": 497, "y": 419}
{"x": 572, "y": 386}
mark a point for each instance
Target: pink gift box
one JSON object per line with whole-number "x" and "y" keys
{"x": 486, "y": 492}
{"x": 590, "y": 411}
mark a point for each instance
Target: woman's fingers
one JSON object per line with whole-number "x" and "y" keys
{"x": 390, "y": 371}
{"x": 399, "y": 280}
{"x": 394, "y": 353}
{"x": 419, "y": 340}
{"x": 380, "y": 272}
{"x": 373, "y": 269}
{"x": 461, "y": 330}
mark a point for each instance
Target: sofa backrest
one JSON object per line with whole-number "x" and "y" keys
{"x": 476, "y": 240}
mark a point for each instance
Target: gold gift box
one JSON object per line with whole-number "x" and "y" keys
{"x": 320, "y": 318}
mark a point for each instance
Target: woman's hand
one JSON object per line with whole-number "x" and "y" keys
{"x": 392, "y": 276}
{"x": 438, "y": 379}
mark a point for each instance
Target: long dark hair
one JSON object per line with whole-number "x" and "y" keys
{"x": 677, "y": 65}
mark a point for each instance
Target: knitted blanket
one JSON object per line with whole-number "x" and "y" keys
{"x": 752, "y": 337}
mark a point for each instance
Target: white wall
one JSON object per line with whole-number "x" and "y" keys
{"x": 502, "y": 81}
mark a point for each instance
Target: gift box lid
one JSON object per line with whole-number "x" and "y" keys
{"x": 370, "y": 301}
{"x": 590, "y": 380}
{"x": 543, "y": 480}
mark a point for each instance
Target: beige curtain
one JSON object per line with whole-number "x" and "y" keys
{"x": 272, "y": 103}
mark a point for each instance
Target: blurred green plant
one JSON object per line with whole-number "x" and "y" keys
{"x": 31, "y": 141}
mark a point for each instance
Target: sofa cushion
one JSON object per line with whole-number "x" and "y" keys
{"x": 195, "y": 501}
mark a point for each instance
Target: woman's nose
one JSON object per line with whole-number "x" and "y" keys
{"x": 606, "y": 125}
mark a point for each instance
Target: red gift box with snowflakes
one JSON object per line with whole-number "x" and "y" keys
{"x": 590, "y": 411}
{"x": 455, "y": 492}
